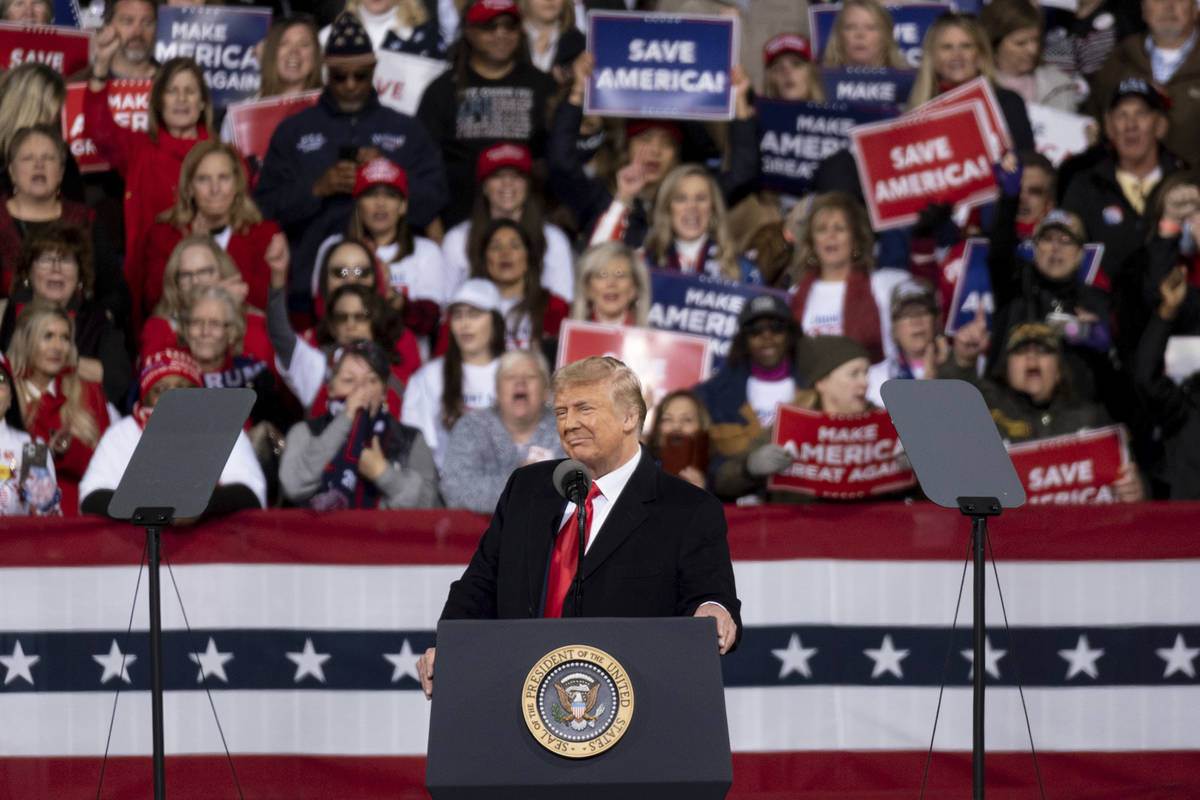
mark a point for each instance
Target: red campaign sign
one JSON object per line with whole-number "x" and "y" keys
{"x": 980, "y": 89}
{"x": 839, "y": 457}
{"x": 255, "y": 120}
{"x": 936, "y": 157}
{"x": 1076, "y": 468}
{"x": 65, "y": 50}
{"x": 663, "y": 360}
{"x": 129, "y": 102}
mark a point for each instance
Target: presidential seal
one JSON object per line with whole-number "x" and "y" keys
{"x": 577, "y": 701}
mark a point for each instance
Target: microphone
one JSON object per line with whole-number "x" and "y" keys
{"x": 572, "y": 481}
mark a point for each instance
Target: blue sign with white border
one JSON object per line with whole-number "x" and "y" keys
{"x": 221, "y": 40}
{"x": 868, "y": 85}
{"x": 795, "y": 137}
{"x": 661, "y": 65}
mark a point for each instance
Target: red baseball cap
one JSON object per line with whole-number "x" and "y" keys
{"x": 380, "y": 171}
{"x": 635, "y": 126}
{"x": 487, "y": 10}
{"x": 786, "y": 43}
{"x": 499, "y": 156}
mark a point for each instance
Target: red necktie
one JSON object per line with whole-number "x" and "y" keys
{"x": 566, "y": 556}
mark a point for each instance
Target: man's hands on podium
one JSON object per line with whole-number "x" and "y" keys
{"x": 425, "y": 671}
{"x": 726, "y": 627}
{"x": 726, "y": 635}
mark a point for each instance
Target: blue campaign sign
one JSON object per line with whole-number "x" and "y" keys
{"x": 701, "y": 304}
{"x": 221, "y": 40}
{"x": 911, "y": 22}
{"x": 973, "y": 288}
{"x": 66, "y": 13}
{"x": 873, "y": 86}
{"x": 795, "y": 137}
{"x": 661, "y": 65}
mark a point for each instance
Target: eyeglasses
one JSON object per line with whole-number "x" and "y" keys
{"x": 766, "y": 326}
{"x": 49, "y": 262}
{"x": 208, "y": 325}
{"x": 358, "y": 75}
{"x": 342, "y": 317}
{"x": 351, "y": 272}
{"x": 204, "y": 273}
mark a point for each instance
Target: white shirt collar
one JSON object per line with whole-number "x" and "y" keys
{"x": 612, "y": 484}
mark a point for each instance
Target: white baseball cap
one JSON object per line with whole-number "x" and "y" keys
{"x": 479, "y": 293}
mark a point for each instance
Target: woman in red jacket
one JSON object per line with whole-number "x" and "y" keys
{"x": 57, "y": 405}
{"x": 213, "y": 198}
{"x": 148, "y": 161}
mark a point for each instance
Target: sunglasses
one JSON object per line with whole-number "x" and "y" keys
{"x": 351, "y": 272}
{"x": 358, "y": 75}
{"x": 766, "y": 326}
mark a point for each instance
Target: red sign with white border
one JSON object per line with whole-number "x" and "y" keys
{"x": 940, "y": 156}
{"x": 839, "y": 457}
{"x": 663, "y": 360}
{"x": 254, "y": 121}
{"x": 998, "y": 137}
{"x": 64, "y": 50}
{"x": 129, "y": 102}
{"x": 1076, "y": 468}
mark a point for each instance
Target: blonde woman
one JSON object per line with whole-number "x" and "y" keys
{"x": 398, "y": 26}
{"x": 956, "y": 50}
{"x": 688, "y": 231}
{"x": 199, "y": 261}
{"x": 613, "y": 286}
{"x": 863, "y": 37}
{"x": 31, "y": 95}
{"x": 213, "y": 197}
{"x": 59, "y": 407}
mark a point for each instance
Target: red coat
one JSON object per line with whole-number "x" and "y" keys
{"x": 150, "y": 169}
{"x": 47, "y": 418}
{"x": 247, "y": 247}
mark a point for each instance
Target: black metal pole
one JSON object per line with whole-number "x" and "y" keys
{"x": 979, "y": 537}
{"x": 153, "y": 541}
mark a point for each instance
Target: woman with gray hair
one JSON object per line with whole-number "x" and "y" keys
{"x": 612, "y": 286}
{"x": 488, "y": 444}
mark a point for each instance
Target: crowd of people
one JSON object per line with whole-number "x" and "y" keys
{"x": 392, "y": 286}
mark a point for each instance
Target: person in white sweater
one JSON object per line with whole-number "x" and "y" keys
{"x": 27, "y": 482}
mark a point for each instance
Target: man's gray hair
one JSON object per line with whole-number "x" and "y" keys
{"x": 624, "y": 386}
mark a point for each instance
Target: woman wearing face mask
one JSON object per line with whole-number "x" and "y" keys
{"x": 956, "y": 50}
{"x": 507, "y": 257}
{"x": 1015, "y": 30}
{"x": 242, "y": 484}
{"x": 37, "y": 158}
{"x": 689, "y": 232}
{"x": 465, "y": 377}
{"x": 54, "y": 266}
{"x": 28, "y": 485}
{"x": 761, "y": 371}
{"x": 681, "y": 427}
{"x": 180, "y": 115}
{"x": 59, "y": 407}
{"x": 412, "y": 265}
{"x": 863, "y": 36}
{"x": 356, "y": 454}
{"x": 504, "y": 176}
{"x": 613, "y": 286}
{"x": 213, "y": 198}
{"x": 487, "y": 444}
{"x": 838, "y": 289}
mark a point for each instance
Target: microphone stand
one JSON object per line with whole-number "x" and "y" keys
{"x": 581, "y": 523}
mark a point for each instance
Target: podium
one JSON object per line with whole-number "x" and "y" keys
{"x": 495, "y": 679}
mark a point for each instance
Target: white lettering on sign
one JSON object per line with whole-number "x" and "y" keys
{"x": 1058, "y": 475}
{"x": 663, "y": 51}
{"x": 51, "y": 58}
{"x": 919, "y": 153}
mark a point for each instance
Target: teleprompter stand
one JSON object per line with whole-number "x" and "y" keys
{"x": 171, "y": 476}
{"x": 952, "y": 442}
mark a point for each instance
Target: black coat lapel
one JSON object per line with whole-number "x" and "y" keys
{"x": 546, "y": 509}
{"x": 626, "y": 516}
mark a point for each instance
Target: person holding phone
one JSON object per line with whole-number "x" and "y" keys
{"x": 28, "y": 485}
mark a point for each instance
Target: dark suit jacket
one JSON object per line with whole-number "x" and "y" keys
{"x": 662, "y": 552}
